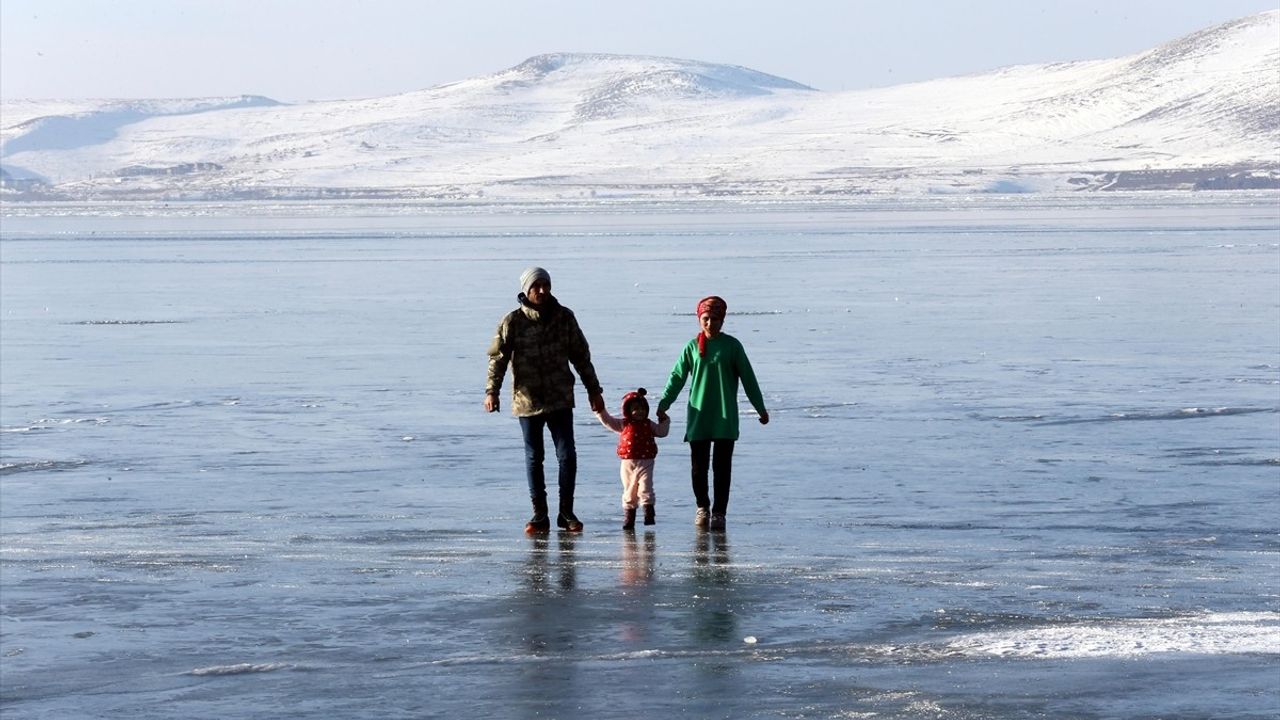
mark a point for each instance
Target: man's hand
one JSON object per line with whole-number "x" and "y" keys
{"x": 764, "y": 418}
{"x": 596, "y": 401}
{"x": 491, "y": 402}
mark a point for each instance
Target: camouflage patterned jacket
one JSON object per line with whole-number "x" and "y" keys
{"x": 539, "y": 344}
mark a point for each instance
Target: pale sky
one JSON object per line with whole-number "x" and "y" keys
{"x": 298, "y": 50}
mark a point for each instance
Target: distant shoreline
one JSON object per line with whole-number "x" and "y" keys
{"x": 851, "y": 184}
{"x": 11, "y": 206}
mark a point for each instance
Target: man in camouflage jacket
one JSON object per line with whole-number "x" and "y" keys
{"x": 538, "y": 341}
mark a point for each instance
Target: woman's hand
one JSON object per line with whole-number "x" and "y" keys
{"x": 764, "y": 418}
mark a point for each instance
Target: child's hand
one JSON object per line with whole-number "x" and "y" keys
{"x": 764, "y": 418}
{"x": 663, "y": 416}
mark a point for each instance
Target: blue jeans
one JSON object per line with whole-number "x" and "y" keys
{"x": 560, "y": 423}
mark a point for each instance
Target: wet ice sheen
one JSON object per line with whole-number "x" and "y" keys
{"x": 1023, "y": 462}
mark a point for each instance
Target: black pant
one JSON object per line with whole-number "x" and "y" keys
{"x": 721, "y": 465}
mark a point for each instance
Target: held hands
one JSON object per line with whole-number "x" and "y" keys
{"x": 663, "y": 416}
{"x": 491, "y": 402}
{"x": 596, "y": 401}
{"x": 764, "y": 418}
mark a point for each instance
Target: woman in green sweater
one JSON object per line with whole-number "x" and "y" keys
{"x": 716, "y": 363}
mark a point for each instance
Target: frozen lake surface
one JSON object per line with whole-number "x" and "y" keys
{"x": 1024, "y": 463}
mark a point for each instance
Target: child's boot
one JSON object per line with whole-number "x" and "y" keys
{"x": 539, "y": 523}
{"x": 628, "y": 518}
{"x": 649, "y": 518}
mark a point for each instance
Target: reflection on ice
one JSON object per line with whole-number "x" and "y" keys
{"x": 638, "y": 558}
{"x": 715, "y": 598}
{"x": 548, "y": 575}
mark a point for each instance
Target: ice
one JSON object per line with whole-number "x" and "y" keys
{"x": 246, "y": 470}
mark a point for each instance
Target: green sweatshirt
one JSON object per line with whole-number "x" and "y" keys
{"x": 713, "y": 394}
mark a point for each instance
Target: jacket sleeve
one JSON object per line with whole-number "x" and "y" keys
{"x": 660, "y": 429}
{"x": 748, "y": 376}
{"x": 499, "y": 357}
{"x": 580, "y": 357}
{"x": 609, "y": 421}
{"x": 675, "y": 383}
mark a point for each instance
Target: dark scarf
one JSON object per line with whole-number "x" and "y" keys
{"x": 540, "y": 313}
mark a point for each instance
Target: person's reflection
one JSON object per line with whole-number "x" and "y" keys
{"x": 568, "y": 561}
{"x": 547, "y": 612}
{"x": 549, "y": 579}
{"x": 535, "y": 569}
{"x": 635, "y": 610}
{"x": 637, "y": 559}
{"x": 714, "y": 591}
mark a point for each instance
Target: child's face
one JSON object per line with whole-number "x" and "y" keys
{"x": 638, "y": 409}
{"x": 711, "y": 324}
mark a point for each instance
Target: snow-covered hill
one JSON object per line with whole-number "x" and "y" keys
{"x": 1201, "y": 111}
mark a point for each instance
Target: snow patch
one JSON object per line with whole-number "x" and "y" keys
{"x": 239, "y": 669}
{"x": 1207, "y": 634}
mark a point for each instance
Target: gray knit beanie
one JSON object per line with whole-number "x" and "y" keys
{"x": 531, "y": 276}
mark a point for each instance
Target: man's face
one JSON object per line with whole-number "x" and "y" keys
{"x": 538, "y": 292}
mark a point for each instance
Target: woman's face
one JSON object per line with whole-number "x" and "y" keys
{"x": 711, "y": 323}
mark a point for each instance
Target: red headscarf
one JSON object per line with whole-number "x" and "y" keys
{"x": 715, "y": 306}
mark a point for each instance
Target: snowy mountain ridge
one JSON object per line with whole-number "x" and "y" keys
{"x": 41, "y": 125}
{"x": 1202, "y": 111}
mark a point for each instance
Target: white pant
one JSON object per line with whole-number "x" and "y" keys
{"x": 637, "y": 482}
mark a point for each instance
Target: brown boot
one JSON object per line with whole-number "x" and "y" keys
{"x": 539, "y": 523}
{"x": 569, "y": 523}
{"x": 566, "y": 520}
{"x": 649, "y": 518}
{"x": 628, "y": 518}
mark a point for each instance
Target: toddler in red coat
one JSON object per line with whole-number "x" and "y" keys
{"x": 637, "y": 448}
